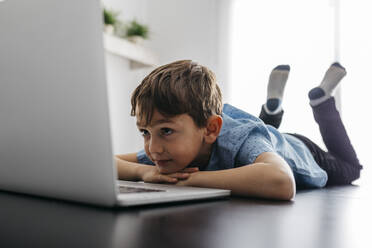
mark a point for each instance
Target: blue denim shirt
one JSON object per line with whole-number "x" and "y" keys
{"x": 244, "y": 137}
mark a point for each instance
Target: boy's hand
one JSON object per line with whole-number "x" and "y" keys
{"x": 152, "y": 175}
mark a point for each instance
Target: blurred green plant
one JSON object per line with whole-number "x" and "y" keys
{"x": 134, "y": 28}
{"x": 110, "y": 16}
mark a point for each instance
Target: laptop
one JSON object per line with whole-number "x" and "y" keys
{"x": 55, "y": 138}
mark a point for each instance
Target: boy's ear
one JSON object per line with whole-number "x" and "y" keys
{"x": 213, "y": 128}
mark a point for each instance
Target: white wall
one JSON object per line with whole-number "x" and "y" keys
{"x": 192, "y": 29}
{"x": 121, "y": 82}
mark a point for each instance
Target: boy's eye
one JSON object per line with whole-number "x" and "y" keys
{"x": 144, "y": 132}
{"x": 166, "y": 131}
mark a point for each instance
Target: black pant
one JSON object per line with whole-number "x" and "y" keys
{"x": 340, "y": 161}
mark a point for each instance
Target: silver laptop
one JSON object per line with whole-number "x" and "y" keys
{"x": 55, "y": 136}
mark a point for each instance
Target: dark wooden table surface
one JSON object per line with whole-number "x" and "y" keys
{"x": 332, "y": 217}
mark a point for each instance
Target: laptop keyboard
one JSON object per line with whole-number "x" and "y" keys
{"x": 128, "y": 189}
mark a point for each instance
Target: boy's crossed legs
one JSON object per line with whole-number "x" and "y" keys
{"x": 340, "y": 162}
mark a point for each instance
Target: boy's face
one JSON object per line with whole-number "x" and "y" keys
{"x": 174, "y": 143}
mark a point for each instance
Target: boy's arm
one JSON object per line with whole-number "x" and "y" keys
{"x": 129, "y": 169}
{"x": 268, "y": 177}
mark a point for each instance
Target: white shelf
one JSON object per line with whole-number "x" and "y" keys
{"x": 138, "y": 55}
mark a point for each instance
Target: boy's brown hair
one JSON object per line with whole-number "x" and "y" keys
{"x": 181, "y": 87}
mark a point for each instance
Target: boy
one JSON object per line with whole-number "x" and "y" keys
{"x": 191, "y": 139}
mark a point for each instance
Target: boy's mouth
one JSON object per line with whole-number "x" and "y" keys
{"x": 162, "y": 163}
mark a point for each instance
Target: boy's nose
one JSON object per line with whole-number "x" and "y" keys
{"x": 155, "y": 146}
